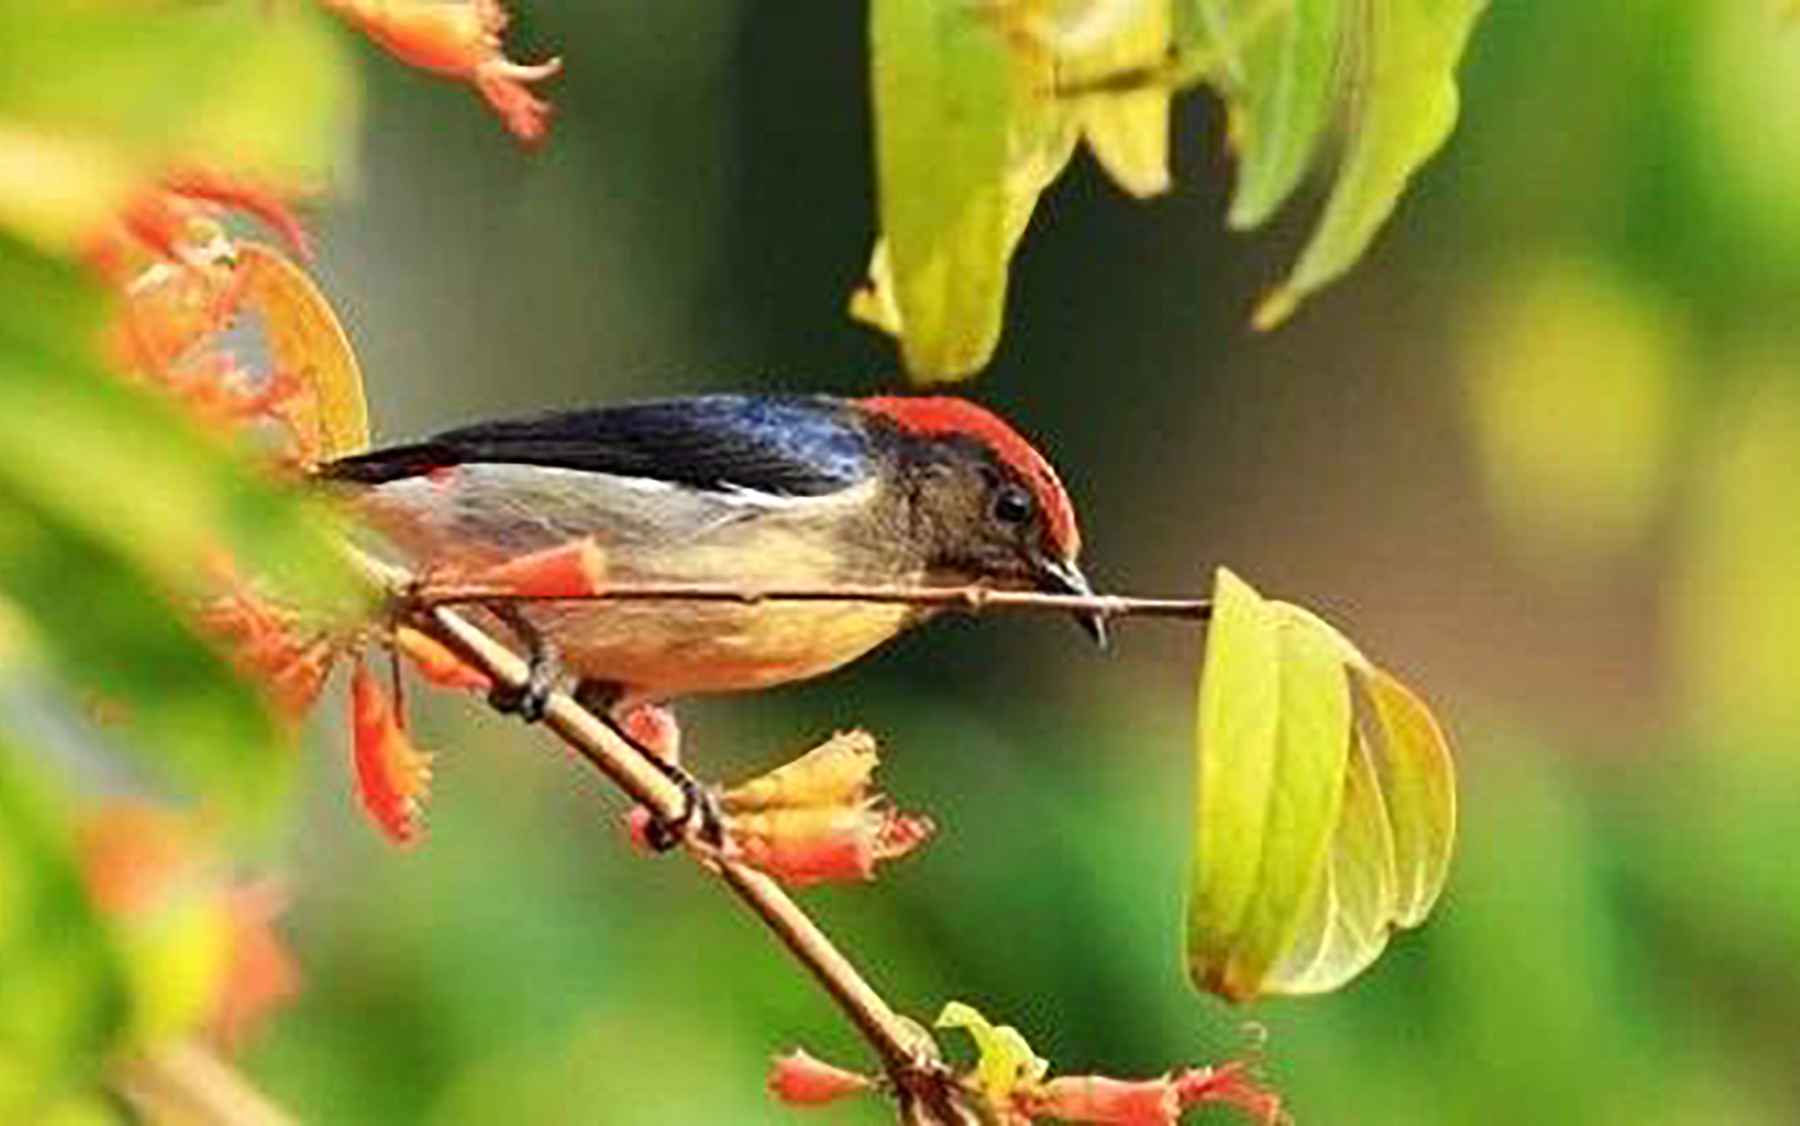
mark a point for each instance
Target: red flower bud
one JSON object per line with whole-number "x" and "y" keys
{"x": 460, "y": 40}
{"x": 799, "y": 1079}
{"x": 392, "y": 775}
{"x": 654, "y": 728}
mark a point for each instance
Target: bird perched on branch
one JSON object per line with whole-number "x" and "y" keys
{"x": 760, "y": 492}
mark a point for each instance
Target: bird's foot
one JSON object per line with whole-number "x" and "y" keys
{"x": 531, "y": 700}
{"x": 700, "y": 816}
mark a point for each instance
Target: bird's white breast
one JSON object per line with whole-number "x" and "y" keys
{"x": 655, "y": 532}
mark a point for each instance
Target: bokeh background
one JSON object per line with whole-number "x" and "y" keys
{"x": 1540, "y": 454}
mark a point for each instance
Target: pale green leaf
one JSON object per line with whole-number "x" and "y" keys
{"x": 1319, "y": 830}
{"x": 1276, "y": 67}
{"x": 1418, "y": 781}
{"x": 1239, "y": 712}
{"x": 1399, "y": 76}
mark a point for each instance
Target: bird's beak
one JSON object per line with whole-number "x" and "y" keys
{"x": 1062, "y": 576}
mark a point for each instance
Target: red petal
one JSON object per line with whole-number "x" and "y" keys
{"x": 572, "y": 570}
{"x": 259, "y": 200}
{"x": 450, "y": 38}
{"x": 392, "y": 775}
{"x": 1117, "y": 1102}
{"x": 799, "y": 1079}
{"x": 503, "y": 85}
{"x": 1230, "y": 1084}
{"x": 654, "y": 728}
{"x": 460, "y": 40}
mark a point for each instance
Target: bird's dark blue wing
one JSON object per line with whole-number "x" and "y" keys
{"x": 790, "y": 446}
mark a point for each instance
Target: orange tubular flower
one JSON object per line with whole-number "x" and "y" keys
{"x": 830, "y": 845}
{"x": 392, "y": 775}
{"x": 814, "y": 819}
{"x": 1115, "y": 1102}
{"x": 460, "y": 39}
{"x": 799, "y": 1079}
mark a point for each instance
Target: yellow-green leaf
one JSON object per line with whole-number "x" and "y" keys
{"x": 944, "y": 91}
{"x": 1276, "y": 65}
{"x": 1005, "y": 1060}
{"x": 110, "y": 491}
{"x": 968, "y": 134}
{"x": 1398, "y": 76}
{"x": 1321, "y": 826}
{"x": 1127, "y": 130}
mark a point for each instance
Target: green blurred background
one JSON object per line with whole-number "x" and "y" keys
{"x": 1540, "y": 454}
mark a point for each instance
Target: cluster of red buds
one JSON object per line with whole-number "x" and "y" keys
{"x": 1009, "y": 1084}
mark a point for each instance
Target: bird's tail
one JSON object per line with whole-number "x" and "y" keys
{"x": 377, "y": 467}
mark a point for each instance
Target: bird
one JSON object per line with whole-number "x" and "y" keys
{"x": 757, "y": 491}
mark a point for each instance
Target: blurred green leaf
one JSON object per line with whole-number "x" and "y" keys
{"x": 111, "y": 506}
{"x": 98, "y": 98}
{"x": 1318, "y": 830}
{"x": 1276, "y": 66}
{"x": 63, "y": 996}
{"x": 1736, "y": 607}
{"x": 1573, "y": 375}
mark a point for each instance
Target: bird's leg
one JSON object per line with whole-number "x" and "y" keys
{"x": 543, "y": 669}
{"x": 651, "y": 730}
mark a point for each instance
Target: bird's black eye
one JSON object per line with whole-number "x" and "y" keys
{"x": 1012, "y": 505}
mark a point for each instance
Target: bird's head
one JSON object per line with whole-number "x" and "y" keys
{"x": 987, "y": 503}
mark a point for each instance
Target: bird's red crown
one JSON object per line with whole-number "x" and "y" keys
{"x": 943, "y": 416}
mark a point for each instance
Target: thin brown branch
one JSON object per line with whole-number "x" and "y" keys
{"x": 187, "y": 1082}
{"x": 905, "y": 1051}
{"x": 973, "y": 599}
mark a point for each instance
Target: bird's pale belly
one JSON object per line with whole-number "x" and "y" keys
{"x": 662, "y": 650}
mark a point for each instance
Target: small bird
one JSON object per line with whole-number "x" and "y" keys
{"x": 790, "y": 492}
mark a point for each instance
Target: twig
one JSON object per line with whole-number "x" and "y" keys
{"x": 186, "y": 1082}
{"x": 447, "y": 592}
{"x": 905, "y": 1051}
